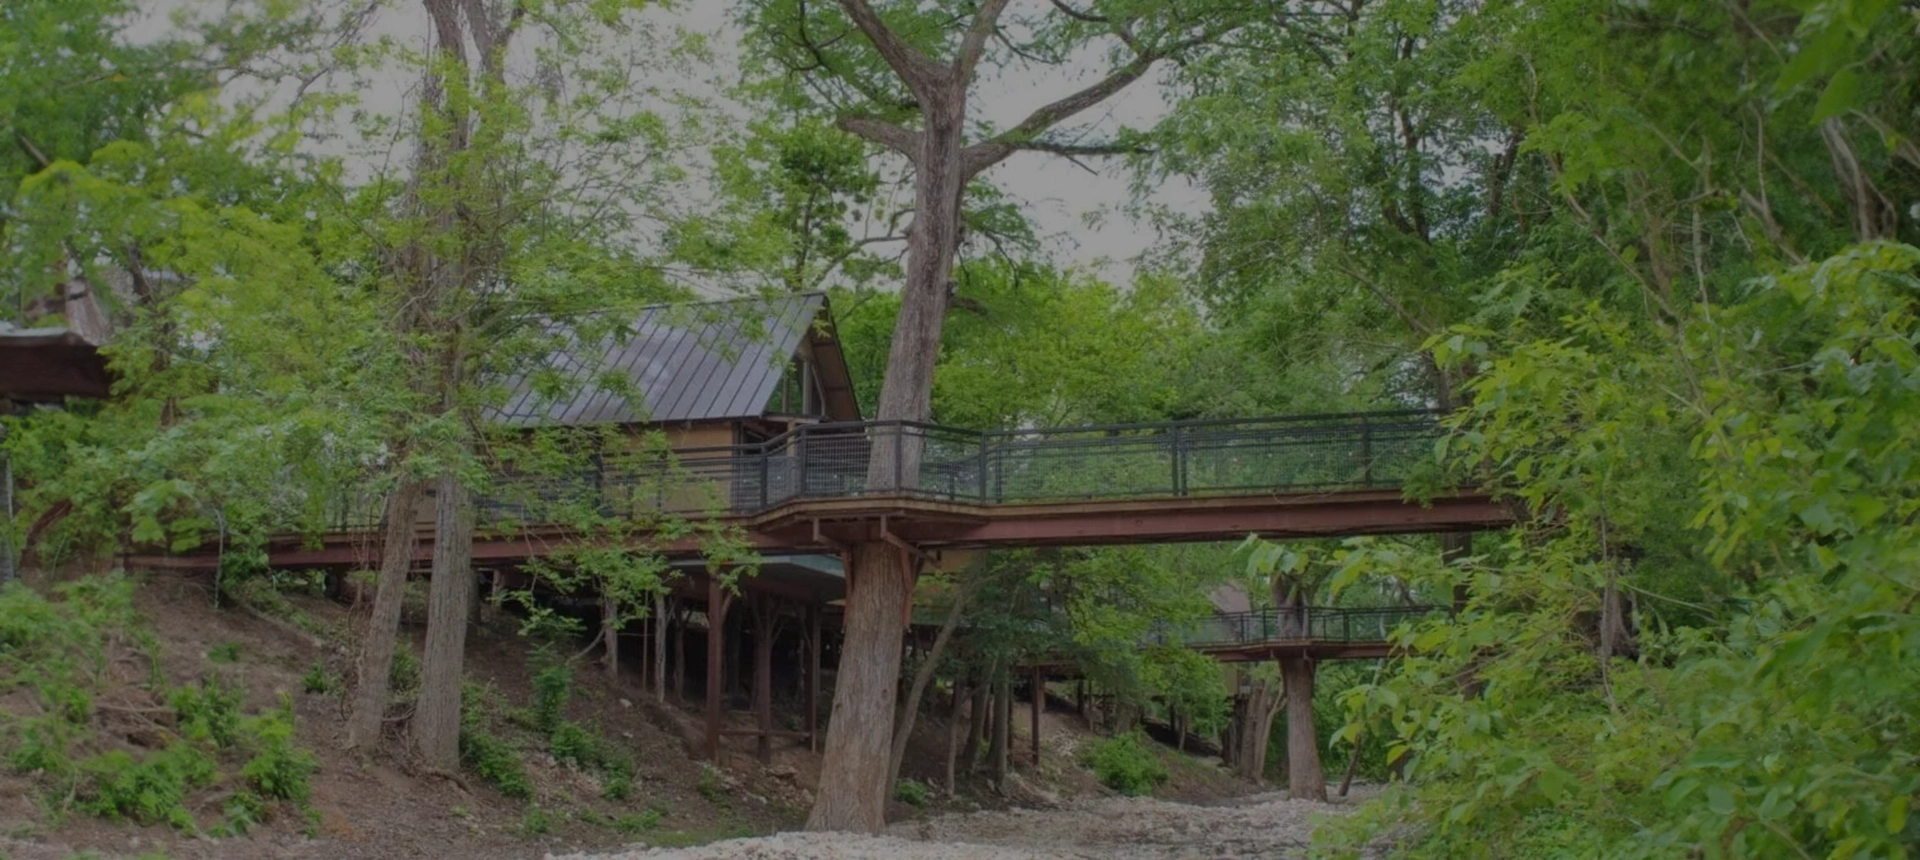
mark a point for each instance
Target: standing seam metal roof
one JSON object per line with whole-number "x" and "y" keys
{"x": 686, "y": 363}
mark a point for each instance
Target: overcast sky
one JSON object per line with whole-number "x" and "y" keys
{"x": 1079, "y": 213}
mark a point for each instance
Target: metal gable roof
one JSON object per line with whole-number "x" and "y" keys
{"x": 685, "y": 363}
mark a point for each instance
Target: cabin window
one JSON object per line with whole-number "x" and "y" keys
{"x": 798, "y": 392}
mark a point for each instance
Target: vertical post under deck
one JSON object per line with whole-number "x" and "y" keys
{"x": 716, "y": 632}
{"x": 763, "y": 624}
{"x": 1039, "y": 705}
{"x": 813, "y": 678}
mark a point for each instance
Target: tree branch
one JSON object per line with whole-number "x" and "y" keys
{"x": 920, "y": 73}
{"x": 975, "y": 42}
{"x": 900, "y": 139}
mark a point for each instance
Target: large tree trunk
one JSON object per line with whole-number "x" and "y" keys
{"x": 436, "y": 724}
{"x": 1251, "y": 729}
{"x": 910, "y": 710}
{"x": 1305, "y": 778}
{"x": 375, "y": 663}
{"x": 853, "y": 771}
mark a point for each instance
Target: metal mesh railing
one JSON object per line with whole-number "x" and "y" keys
{"x": 1292, "y": 624}
{"x": 892, "y": 458}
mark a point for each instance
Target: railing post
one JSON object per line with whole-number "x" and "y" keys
{"x": 1366, "y": 451}
{"x": 766, "y": 474}
{"x": 1346, "y": 627}
{"x": 802, "y": 443}
{"x": 900, "y": 458}
{"x": 983, "y": 468}
{"x": 1178, "y": 455}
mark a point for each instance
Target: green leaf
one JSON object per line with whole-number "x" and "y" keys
{"x": 1841, "y": 95}
{"x": 1720, "y": 800}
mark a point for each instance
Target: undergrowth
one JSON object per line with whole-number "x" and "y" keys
{"x": 99, "y": 744}
{"x": 1125, "y": 763}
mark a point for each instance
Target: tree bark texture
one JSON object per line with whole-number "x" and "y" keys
{"x": 374, "y": 666}
{"x": 436, "y": 724}
{"x": 853, "y": 770}
{"x": 1305, "y": 778}
{"x": 977, "y": 721}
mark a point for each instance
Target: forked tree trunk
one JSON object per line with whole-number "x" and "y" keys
{"x": 436, "y": 723}
{"x": 375, "y": 663}
{"x": 1305, "y": 778}
{"x": 853, "y": 770}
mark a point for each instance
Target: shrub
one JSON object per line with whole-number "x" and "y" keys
{"x": 225, "y": 652}
{"x": 552, "y": 686}
{"x": 573, "y": 744}
{"x": 1126, "y": 764}
{"x": 403, "y": 679}
{"x": 147, "y": 791}
{"x": 278, "y": 769}
{"x": 209, "y": 711}
{"x": 912, "y": 792}
{"x": 631, "y": 823}
{"x": 319, "y": 680}
{"x": 495, "y": 760}
{"x": 536, "y": 821}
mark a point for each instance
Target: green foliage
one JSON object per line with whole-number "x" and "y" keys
{"x": 151, "y": 790}
{"x": 710, "y": 785}
{"x": 403, "y": 678}
{"x": 1126, "y": 763}
{"x": 278, "y": 769}
{"x": 634, "y": 823}
{"x": 912, "y": 792}
{"x": 536, "y": 822}
{"x": 319, "y": 680}
{"x": 1723, "y": 728}
{"x": 209, "y": 711}
{"x": 225, "y": 652}
{"x": 552, "y": 686}
{"x": 497, "y": 761}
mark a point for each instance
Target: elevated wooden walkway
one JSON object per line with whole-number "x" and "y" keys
{"x": 822, "y": 487}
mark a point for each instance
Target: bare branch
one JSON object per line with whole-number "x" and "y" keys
{"x": 903, "y": 140}
{"x": 1077, "y": 15}
{"x": 975, "y": 42}
{"x": 920, "y": 73}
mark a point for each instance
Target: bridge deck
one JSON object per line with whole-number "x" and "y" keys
{"x": 821, "y": 487}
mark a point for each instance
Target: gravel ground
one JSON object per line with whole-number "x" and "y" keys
{"x": 1264, "y": 826}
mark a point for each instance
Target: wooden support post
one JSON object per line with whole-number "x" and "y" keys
{"x": 765, "y": 611}
{"x": 661, "y": 612}
{"x": 717, "y": 600}
{"x": 1039, "y": 707}
{"x": 1002, "y": 729}
{"x": 680, "y": 655}
{"x": 813, "y": 677}
{"x": 730, "y": 667}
